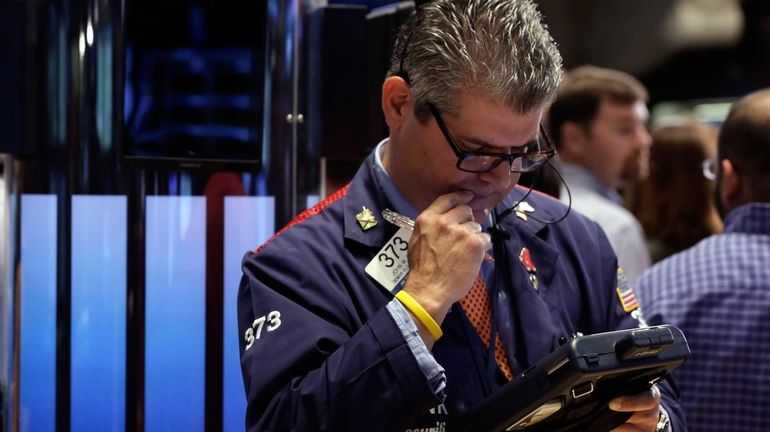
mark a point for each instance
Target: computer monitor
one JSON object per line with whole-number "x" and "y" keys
{"x": 12, "y": 40}
{"x": 193, "y": 86}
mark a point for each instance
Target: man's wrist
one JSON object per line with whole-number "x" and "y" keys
{"x": 437, "y": 308}
{"x": 416, "y": 309}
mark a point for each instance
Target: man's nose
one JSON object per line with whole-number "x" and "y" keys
{"x": 499, "y": 175}
{"x": 644, "y": 138}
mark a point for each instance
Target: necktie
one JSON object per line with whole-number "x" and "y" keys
{"x": 477, "y": 308}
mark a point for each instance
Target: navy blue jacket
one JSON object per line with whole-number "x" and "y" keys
{"x": 319, "y": 350}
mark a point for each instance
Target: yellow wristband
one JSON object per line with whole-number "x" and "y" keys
{"x": 410, "y": 303}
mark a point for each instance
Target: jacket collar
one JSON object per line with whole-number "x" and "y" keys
{"x": 365, "y": 191}
{"x": 531, "y": 233}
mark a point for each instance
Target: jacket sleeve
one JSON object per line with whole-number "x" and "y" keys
{"x": 621, "y": 319}
{"x": 669, "y": 390}
{"x": 309, "y": 362}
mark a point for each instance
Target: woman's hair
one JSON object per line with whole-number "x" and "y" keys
{"x": 675, "y": 204}
{"x": 495, "y": 49}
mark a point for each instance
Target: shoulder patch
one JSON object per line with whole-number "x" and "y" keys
{"x": 307, "y": 214}
{"x": 625, "y": 293}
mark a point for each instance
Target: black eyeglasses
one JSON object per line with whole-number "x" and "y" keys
{"x": 478, "y": 162}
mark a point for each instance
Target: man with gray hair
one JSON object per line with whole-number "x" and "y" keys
{"x": 429, "y": 281}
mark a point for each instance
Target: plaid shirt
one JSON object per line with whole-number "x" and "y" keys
{"x": 718, "y": 294}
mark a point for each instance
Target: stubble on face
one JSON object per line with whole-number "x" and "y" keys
{"x": 425, "y": 166}
{"x": 636, "y": 168}
{"x": 620, "y": 143}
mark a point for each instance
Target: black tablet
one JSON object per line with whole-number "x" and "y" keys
{"x": 570, "y": 389}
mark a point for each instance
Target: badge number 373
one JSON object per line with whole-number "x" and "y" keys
{"x": 266, "y": 323}
{"x": 390, "y": 265}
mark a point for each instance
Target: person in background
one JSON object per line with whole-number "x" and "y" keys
{"x": 676, "y": 204}
{"x": 351, "y": 321}
{"x": 718, "y": 291}
{"x": 545, "y": 180}
{"x": 599, "y": 127}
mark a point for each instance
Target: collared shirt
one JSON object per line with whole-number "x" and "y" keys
{"x": 718, "y": 294}
{"x": 604, "y": 205}
{"x": 432, "y": 370}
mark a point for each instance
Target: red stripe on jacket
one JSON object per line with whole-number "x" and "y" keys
{"x": 307, "y": 214}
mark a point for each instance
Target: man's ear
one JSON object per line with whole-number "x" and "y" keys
{"x": 573, "y": 140}
{"x": 731, "y": 189}
{"x": 395, "y": 97}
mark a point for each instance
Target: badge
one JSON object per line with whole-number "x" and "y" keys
{"x": 522, "y": 209}
{"x": 390, "y": 265}
{"x": 366, "y": 219}
{"x": 529, "y": 266}
{"x": 625, "y": 293}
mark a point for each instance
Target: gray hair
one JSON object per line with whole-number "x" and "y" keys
{"x": 496, "y": 49}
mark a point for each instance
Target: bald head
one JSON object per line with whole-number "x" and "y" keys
{"x": 744, "y": 142}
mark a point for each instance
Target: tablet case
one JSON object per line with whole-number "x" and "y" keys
{"x": 570, "y": 388}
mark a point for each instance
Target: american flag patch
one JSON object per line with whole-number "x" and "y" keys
{"x": 625, "y": 293}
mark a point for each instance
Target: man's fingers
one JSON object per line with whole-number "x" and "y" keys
{"x": 638, "y": 402}
{"x": 487, "y": 237}
{"x": 487, "y": 241}
{"x": 473, "y": 227}
{"x": 645, "y": 407}
{"x": 476, "y": 228}
{"x": 447, "y": 202}
{"x": 440, "y": 212}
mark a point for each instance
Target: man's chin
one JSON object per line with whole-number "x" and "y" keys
{"x": 482, "y": 206}
{"x": 633, "y": 175}
{"x": 481, "y": 215}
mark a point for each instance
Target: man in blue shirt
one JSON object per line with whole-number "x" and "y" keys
{"x": 718, "y": 291}
{"x": 336, "y": 336}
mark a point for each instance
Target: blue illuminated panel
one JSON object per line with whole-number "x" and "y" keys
{"x": 249, "y": 221}
{"x": 312, "y": 200}
{"x": 37, "y": 364}
{"x": 98, "y": 313}
{"x": 175, "y": 313}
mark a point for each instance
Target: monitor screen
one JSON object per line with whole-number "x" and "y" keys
{"x": 194, "y": 79}
{"x": 12, "y": 31}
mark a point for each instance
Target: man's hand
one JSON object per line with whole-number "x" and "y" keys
{"x": 445, "y": 253}
{"x": 645, "y": 407}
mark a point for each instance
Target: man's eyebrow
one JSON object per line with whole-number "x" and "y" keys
{"x": 483, "y": 144}
{"x": 624, "y": 117}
